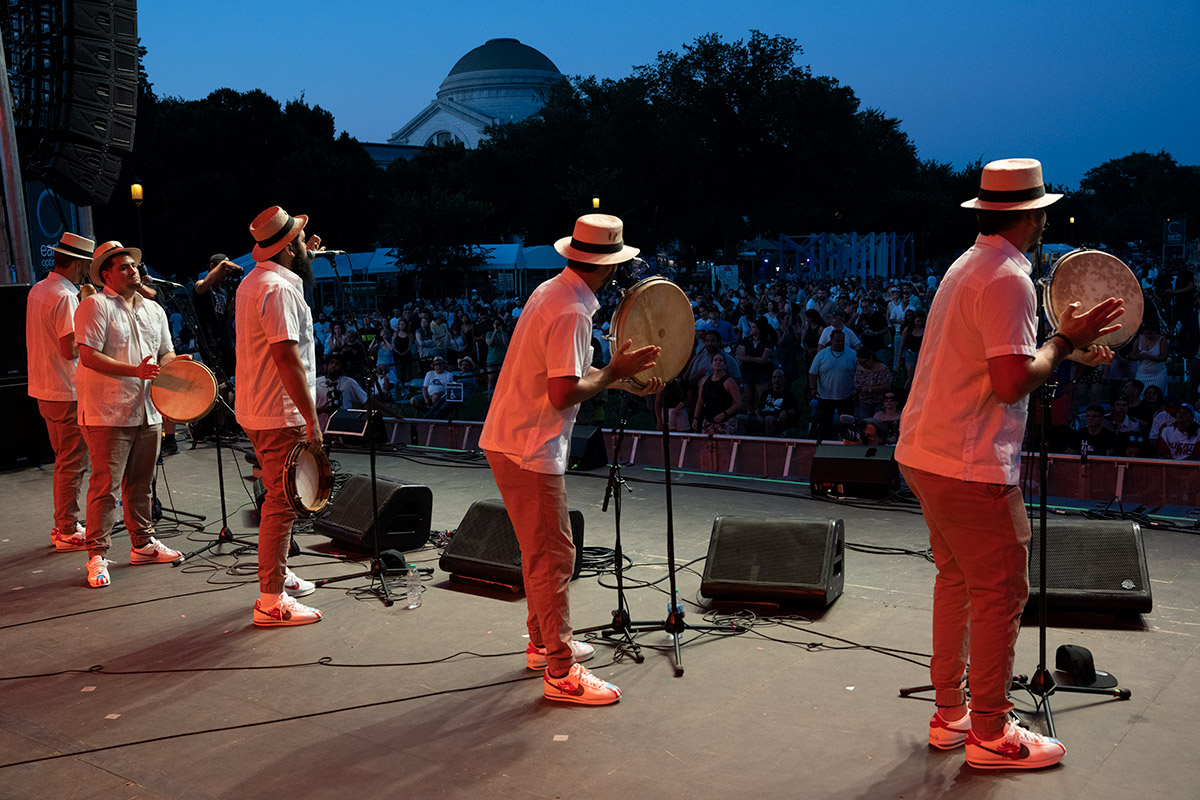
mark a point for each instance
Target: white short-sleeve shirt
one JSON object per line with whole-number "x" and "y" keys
{"x": 954, "y": 424}
{"x": 553, "y": 339}
{"x": 126, "y": 331}
{"x": 271, "y": 308}
{"x": 49, "y": 316}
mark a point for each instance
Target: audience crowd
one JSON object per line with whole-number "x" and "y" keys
{"x": 797, "y": 356}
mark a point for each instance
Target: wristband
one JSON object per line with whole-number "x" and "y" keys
{"x": 1065, "y": 338}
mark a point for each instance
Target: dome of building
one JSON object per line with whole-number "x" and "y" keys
{"x": 500, "y": 81}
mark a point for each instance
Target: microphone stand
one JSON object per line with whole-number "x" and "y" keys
{"x": 1042, "y": 684}
{"x": 377, "y": 569}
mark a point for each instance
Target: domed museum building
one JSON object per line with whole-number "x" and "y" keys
{"x": 500, "y": 81}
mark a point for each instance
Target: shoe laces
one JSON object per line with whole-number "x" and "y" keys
{"x": 585, "y": 676}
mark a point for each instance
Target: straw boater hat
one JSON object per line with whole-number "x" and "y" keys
{"x": 75, "y": 246}
{"x": 107, "y": 251}
{"x": 273, "y": 229}
{"x": 597, "y": 240}
{"x": 1012, "y": 184}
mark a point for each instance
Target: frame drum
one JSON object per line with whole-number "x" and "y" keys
{"x": 1090, "y": 277}
{"x": 184, "y": 390}
{"x": 656, "y": 312}
{"x": 308, "y": 479}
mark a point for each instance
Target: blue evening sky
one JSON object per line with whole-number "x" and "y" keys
{"x": 1071, "y": 83}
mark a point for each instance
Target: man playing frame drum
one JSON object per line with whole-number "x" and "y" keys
{"x": 275, "y": 403}
{"x": 547, "y": 373}
{"x": 960, "y": 449}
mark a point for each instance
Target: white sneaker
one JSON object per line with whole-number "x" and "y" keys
{"x": 288, "y": 611}
{"x": 580, "y": 686}
{"x": 296, "y": 586}
{"x": 69, "y": 543}
{"x": 1016, "y": 749}
{"x": 535, "y": 657}
{"x": 97, "y": 569}
{"x": 153, "y": 552}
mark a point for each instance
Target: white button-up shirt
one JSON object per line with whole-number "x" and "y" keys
{"x": 954, "y": 424}
{"x": 126, "y": 331}
{"x": 553, "y": 339}
{"x": 49, "y": 316}
{"x": 270, "y": 309}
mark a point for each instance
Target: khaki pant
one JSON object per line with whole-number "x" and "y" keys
{"x": 979, "y": 533}
{"x": 272, "y": 447}
{"x": 122, "y": 459}
{"x": 537, "y": 505}
{"x": 70, "y": 460}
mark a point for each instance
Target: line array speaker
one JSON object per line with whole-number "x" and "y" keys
{"x": 404, "y": 513}
{"x": 1091, "y": 565}
{"x": 485, "y": 547}
{"x": 789, "y": 561}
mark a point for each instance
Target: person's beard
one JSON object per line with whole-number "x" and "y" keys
{"x": 302, "y": 266}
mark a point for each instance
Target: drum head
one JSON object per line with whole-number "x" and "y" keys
{"x": 1090, "y": 277}
{"x": 184, "y": 391}
{"x": 656, "y": 312}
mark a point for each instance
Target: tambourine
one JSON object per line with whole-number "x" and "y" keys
{"x": 1090, "y": 277}
{"x": 184, "y": 390}
{"x": 656, "y": 312}
{"x": 308, "y": 479}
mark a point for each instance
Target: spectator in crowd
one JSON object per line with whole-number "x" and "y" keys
{"x": 425, "y": 343}
{"x": 889, "y": 417}
{"x": 402, "y": 350}
{"x": 1150, "y": 351}
{"x": 337, "y": 390}
{"x": 872, "y": 380}
{"x": 712, "y": 322}
{"x": 837, "y": 322}
{"x": 822, "y": 303}
{"x": 875, "y": 330}
{"x": 896, "y": 319}
{"x": 702, "y": 361}
{"x": 1178, "y": 440}
{"x": 778, "y": 410}
{"x": 755, "y": 357}
{"x": 497, "y": 345}
{"x": 434, "y": 386}
{"x": 1165, "y": 416}
{"x": 831, "y": 384}
{"x": 871, "y": 433}
{"x": 467, "y": 375}
{"x": 910, "y": 345}
{"x": 1118, "y": 420}
{"x": 1149, "y": 408}
{"x": 1093, "y": 437}
{"x": 1189, "y": 348}
{"x": 718, "y": 400}
{"x": 810, "y": 335}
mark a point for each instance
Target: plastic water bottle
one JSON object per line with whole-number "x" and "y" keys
{"x": 413, "y": 582}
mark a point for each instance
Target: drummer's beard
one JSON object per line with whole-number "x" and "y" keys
{"x": 302, "y": 266}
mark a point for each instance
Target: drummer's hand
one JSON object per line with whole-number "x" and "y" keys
{"x": 182, "y": 357}
{"x": 147, "y": 370}
{"x": 653, "y": 386}
{"x": 1094, "y": 356}
{"x": 626, "y": 364}
{"x": 1083, "y": 329}
{"x": 314, "y": 434}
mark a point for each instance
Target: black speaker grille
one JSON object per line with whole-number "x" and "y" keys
{"x": 404, "y": 514}
{"x": 1091, "y": 565}
{"x": 771, "y": 551}
{"x": 486, "y": 534}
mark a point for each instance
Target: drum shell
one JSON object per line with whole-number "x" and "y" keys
{"x": 301, "y": 459}
{"x": 184, "y": 391}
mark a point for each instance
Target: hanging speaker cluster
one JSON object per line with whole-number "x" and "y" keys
{"x": 75, "y": 71}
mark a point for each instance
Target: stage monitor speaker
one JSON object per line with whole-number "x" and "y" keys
{"x": 847, "y": 470}
{"x": 404, "y": 513}
{"x": 485, "y": 547}
{"x": 788, "y": 561}
{"x": 23, "y": 438}
{"x": 1091, "y": 565}
{"x": 588, "y": 450}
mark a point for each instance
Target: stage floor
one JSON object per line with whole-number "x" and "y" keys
{"x": 159, "y": 686}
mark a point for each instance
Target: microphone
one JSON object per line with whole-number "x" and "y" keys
{"x": 163, "y": 282}
{"x": 327, "y": 253}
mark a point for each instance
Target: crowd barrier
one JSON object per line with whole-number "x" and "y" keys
{"x": 1129, "y": 481}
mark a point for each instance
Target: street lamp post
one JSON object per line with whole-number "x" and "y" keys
{"x": 136, "y": 194}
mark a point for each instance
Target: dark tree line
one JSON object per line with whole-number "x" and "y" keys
{"x": 698, "y": 151}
